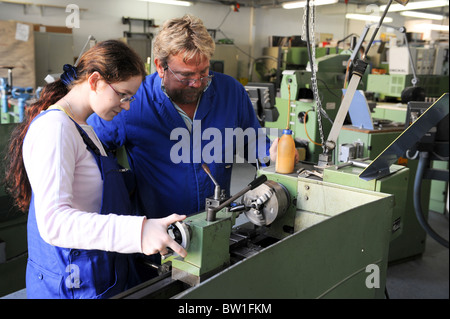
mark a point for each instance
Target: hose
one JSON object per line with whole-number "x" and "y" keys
{"x": 423, "y": 164}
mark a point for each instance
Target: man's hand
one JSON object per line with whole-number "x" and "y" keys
{"x": 273, "y": 152}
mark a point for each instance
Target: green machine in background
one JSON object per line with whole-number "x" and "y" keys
{"x": 408, "y": 237}
{"x": 277, "y": 59}
{"x": 13, "y": 224}
{"x": 354, "y": 143}
{"x": 392, "y": 85}
{"x": 303, "y": 119}
{"x": 357, "y": 141}
{"x": 13, "y": 233}
{"x": 13, "y": 101}
{"x": 397, "y": 112}
{"x": 13, "y": 108}
{"x": 427, "y": 134}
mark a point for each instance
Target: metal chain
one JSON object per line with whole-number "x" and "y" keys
{"x": 313, "y": 66}
{"x": 304, "y": 26}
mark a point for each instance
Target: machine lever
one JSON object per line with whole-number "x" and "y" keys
{"x": 217, "y": 186}
{"x": 256, "y": 182}
{"x": 211, "y": 211}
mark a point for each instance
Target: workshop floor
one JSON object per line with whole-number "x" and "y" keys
{"x": 426, "y": 277}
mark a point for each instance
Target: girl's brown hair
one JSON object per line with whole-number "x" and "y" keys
{"x": 114, "y": 60}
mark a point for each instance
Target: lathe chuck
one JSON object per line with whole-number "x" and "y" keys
{"x": 268, "y": 202}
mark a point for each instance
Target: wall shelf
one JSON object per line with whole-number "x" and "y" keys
{"x": 39, "y": 5}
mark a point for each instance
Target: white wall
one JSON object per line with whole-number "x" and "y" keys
{"x": 103, "y": 18}
{"x": 249, "y": 28}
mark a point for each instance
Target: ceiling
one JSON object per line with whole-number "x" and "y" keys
{"x": 278, "y": 3}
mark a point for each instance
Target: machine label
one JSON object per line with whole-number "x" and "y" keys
{"x": 330, "y": 106}
{"x": 396, "y": 226}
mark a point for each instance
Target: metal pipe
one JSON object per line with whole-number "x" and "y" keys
{"x": 377, "y": 28}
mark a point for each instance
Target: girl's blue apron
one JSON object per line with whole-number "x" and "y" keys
{"x": 55, "y": 272}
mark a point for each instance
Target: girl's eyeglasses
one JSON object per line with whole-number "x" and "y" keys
{"x": 123, "y": 97}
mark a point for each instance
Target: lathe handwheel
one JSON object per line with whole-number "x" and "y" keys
{"x": 181, "y": 233}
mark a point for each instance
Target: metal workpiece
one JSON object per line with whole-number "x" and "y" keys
{"x": 268, "y": 202}
{"x": 326, "y": 158}
{"x": 303, "y": 172}
{"x": 358, "y": 162}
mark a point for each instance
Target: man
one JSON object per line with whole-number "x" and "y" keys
{"x": 182, "y": 117}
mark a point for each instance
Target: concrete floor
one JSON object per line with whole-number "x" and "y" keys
{"x": 426, "y": 277}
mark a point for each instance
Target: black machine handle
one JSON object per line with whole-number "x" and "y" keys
{"x": 256, "y": 182}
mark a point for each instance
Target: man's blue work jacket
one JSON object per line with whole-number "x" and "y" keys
{"x": 167, "y": 158}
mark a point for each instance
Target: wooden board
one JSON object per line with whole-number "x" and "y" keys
{"x": 17, "y": 50}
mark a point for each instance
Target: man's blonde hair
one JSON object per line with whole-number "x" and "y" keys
{"x": 186, "y": 35}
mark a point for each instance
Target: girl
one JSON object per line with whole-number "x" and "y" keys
{"x": 81, "y": 230}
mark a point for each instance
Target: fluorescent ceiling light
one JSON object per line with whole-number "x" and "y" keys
{"x": 422, "y": 15}
{"x": 174, "y": 2}
{"x": 435, "y": 27}
{"x": 417, "y": 5}
{"x": 302, "y": 4}
{"x": 366, "y": 17}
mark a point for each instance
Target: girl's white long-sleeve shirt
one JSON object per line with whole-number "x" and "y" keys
{"x": 67, "y": 188}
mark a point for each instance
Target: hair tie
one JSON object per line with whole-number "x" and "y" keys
{"x": 70, "y": 74}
